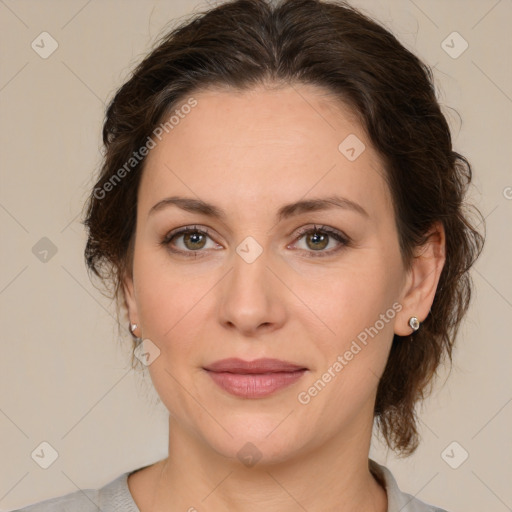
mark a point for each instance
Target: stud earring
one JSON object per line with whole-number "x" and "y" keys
{"x": 131, "y": 328}
{"x": 414, "y": 323}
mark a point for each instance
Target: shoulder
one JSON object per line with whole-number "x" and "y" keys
{"x": 113, "y": 496}
{"x": 398, "y": 500}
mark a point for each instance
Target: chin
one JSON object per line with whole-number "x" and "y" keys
{"x": 256, "y": 440}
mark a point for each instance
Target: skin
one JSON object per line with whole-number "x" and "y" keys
{"x": 249, "y": 153}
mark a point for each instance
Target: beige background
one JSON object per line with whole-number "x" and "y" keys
{"x": 64, "y": 374}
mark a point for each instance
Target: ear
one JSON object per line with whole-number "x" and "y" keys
{"x": 422, "y": 280}
{"x": 130, "y": 301}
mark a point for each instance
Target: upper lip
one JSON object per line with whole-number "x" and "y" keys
{"x": 265, "y": 365}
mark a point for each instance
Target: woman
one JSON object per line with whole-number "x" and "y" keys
{"x": 280, "y": 212}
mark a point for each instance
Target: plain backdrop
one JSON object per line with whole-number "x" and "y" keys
{"x": 65, "y": 376}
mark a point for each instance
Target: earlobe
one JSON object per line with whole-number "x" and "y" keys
{"x": 422, "y": 280}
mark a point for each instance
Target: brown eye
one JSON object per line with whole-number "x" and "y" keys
{"x": 194, "y": 240}
{"x": 318, "y": 238}
{"x": 187, "y": 241}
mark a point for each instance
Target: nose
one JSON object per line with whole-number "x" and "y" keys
{"x": 252, "y": 298}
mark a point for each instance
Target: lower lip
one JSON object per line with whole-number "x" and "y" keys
{"x": 254, "y": 385}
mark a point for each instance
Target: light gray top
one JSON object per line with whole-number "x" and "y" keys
{"x": 115, "y": 497}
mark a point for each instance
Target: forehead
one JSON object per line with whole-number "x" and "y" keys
{"x": 265, "y": 147}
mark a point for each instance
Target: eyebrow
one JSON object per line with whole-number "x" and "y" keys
{"x": 285, "y": 212}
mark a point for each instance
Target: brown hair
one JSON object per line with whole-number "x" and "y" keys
{"x": 245, "y": 43}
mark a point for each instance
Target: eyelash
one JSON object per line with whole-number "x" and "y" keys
{"x": 337, "y": 235}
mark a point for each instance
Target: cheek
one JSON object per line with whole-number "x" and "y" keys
{"x": 170, "y": 313}
{"x": 348, "y": 299}
{"x": 354, "y": 358}
{"x": 171, "y": 309}
{"x": 359, "y": 310}
{"x": 174, "y": 305}
{"x": 167, "y": 294}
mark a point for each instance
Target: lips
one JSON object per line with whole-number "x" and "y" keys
{"x": 254, "y": 379}
{"x": 258, "y": 366}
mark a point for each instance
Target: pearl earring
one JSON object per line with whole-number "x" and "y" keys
{"x": 132, "y": 328}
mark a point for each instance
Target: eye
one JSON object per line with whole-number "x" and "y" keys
{"x": 193, "y": 240}
{"x": 190, "y": 241}
{"x": 318, "y": 238}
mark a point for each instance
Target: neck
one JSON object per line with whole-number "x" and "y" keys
{"x": 330, "y": 476}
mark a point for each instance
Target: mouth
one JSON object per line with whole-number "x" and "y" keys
{"x": 254, "y": 379}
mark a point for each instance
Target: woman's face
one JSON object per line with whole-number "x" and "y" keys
{"x": 257, "y": 285}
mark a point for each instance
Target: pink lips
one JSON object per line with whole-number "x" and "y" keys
{"x": 254, "y": 379}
